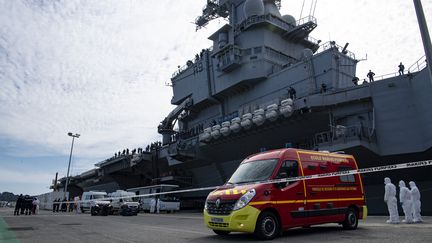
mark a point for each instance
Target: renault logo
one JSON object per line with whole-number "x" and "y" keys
{"x": 217, "y": 203}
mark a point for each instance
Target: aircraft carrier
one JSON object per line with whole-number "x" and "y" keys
{"x": 266, "y": 83}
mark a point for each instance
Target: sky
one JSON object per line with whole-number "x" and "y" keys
{"x": 100, "y": 68}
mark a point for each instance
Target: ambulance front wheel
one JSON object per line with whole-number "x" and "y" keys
{"x": 221, "y": 232}
{"x": 267, "y": 227}
{"x": 351, "y": 220}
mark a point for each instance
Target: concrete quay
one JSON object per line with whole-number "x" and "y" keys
{"x": 48, "y": 227}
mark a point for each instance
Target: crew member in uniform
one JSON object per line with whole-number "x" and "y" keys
{"x": 371, "y": 75}
{"x": 18, "y": 205}
{"x": 401, "y": 69}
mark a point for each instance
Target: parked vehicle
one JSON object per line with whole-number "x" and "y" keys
{"x": 4, "y": 204}
{"x": 123, "y": 204}
{"x": 168, "y": 203}
{"x": 95, "y": 202}
{"x": 100, "y": 207}
{"x": 247, "y": 204}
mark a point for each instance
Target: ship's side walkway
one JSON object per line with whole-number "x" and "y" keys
{"x": 185, "y": 227}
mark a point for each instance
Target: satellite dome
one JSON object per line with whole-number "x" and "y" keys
{"x": 289, "y": 19}
{"x": 253, "y": 7}
{"x": 270, "y": 8}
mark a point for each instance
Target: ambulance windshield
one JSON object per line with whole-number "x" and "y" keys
{"x": 127, "y": 199}
{"x": 99, "y": 196}
{"x": 258, "y": 170}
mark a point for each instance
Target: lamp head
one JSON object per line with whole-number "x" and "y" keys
{"x": 74, "y": 135}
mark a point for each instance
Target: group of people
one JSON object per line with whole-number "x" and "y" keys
{"x": 371, "y": 74}
{"x": 60, "y": 205}
{"x": 155, "y": 205}
{"x": 127, "y": 152}
{"x": 189, "y": 63}
{"x": 154, "y": 146}
{"x": 408, "y": 198}
{"x": 26, "y": 205}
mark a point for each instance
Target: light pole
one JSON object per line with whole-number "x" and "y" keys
{"x": 70, "y": 157}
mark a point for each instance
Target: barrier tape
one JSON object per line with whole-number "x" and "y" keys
{"x": 298, "y": 178}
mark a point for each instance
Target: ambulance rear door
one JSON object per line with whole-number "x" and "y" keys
{"x": 349, "y": 186}
{"x": 321, "y": 194}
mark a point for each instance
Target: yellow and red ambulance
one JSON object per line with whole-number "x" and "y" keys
{"x": 248, "y": 203}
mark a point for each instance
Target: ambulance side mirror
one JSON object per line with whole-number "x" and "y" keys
{"x": 281, "y": 175}
{"x": 280, "y": 185}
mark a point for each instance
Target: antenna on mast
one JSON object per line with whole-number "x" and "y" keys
{"x": 301, "y": 12}
{"x": 311, "y": 7}
{"x": 313, "y": 12}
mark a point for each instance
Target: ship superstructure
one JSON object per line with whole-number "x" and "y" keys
{"x": 265, "y": 83}
{"x": 245, "y": 78}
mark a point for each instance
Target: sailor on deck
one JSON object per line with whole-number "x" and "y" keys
{"x": 401, "y": 69}
{"x": 292, "y": 93}
{"x": 371, "y": 75}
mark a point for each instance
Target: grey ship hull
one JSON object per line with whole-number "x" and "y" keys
{"x": 254, "y": 60}
{"x": 212, "y": 163}
{"x": 404, "y": 97}
{"x": 405, "y": 138}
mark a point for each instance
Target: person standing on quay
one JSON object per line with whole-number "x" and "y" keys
{"x": 18, "y": 205}
{"x": 391, "y": 201}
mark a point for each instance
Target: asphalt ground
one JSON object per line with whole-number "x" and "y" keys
{"x": 185, "y": 227}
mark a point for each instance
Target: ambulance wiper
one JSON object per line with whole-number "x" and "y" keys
{"x": 245, "y": 182}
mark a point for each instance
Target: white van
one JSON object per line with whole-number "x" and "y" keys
{"x": 168, "y": 203}
{"x": 92, "y": 198}
{"x": 122, "y": 203}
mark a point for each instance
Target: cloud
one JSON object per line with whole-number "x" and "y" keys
{"x": 15, "y": 176}
{"x": 387, "y": 31}
{"x": 88, "y": 67}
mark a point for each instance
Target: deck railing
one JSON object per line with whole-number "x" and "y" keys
{"x": 419, "y": 65}
{"x": 344, "y": 134}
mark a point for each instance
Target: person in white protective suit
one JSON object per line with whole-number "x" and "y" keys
{"x": 35, "y": 204}
{"x": 390, "y": 199}
{"x": 76, "y": 204}
{"x": 406, "y": 202}
{"x": 158, "y": 202}
{"x": 152, "y": 205}
{"x": 416, "y": 203}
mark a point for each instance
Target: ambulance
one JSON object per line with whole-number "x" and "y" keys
{"x": 249, "y": 203}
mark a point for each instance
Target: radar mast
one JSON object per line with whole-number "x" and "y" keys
{"x": 219, "y": 8}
